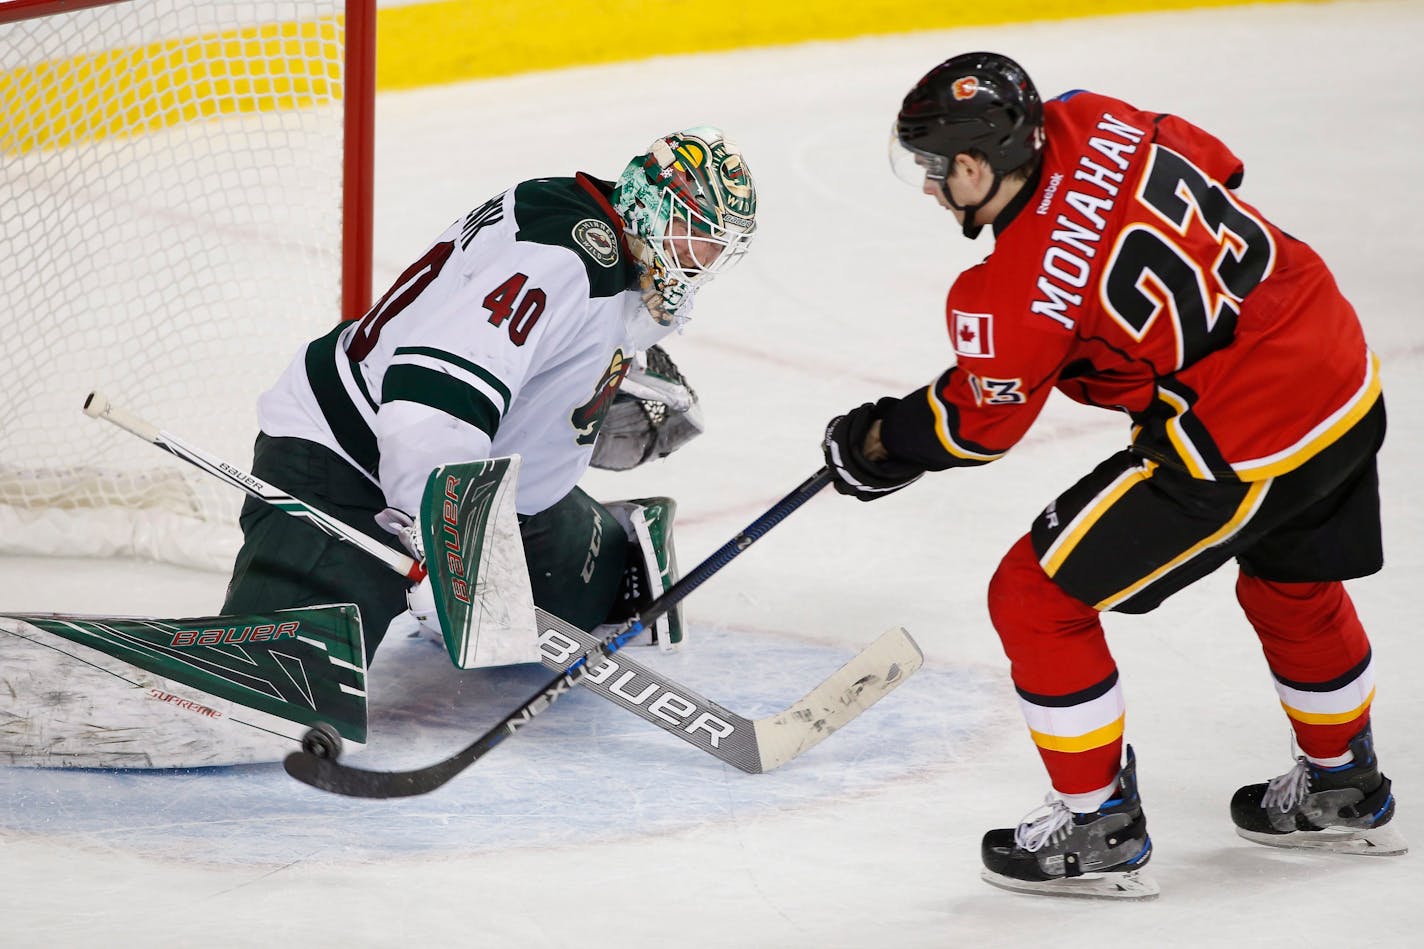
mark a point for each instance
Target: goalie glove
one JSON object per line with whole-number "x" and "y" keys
{"x": 419, "y": 599}
{"x": 653, "y": 415}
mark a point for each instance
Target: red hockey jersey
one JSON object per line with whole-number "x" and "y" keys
{"x": 1128, "y": 276}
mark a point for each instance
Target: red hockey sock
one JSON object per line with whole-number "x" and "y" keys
{"x": 1320, "y": 657}
{"x": 1064, "y": 673}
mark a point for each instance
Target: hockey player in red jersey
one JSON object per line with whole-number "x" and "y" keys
{"x": 1127, "y": 275}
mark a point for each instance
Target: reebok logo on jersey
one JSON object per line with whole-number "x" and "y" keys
{"x": 598, "y": 239}
{"x": 973, "y": 333}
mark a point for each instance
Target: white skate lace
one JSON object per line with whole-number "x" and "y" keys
{"x": 1045, "y": 824}
{"x": 1288, "y": 790}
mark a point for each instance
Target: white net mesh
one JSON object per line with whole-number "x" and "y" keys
{"x": 170, "y": 233}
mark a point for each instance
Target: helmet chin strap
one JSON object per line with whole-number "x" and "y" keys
{"x": 971, "y": 230}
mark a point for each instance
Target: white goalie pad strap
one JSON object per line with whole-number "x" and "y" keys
{"x": 655, "y": 579}
{"x": 407, "y": 531}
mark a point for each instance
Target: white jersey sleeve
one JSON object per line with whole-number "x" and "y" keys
{"x": 509, "y": 335}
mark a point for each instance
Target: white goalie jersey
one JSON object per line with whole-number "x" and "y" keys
{"x": 510, "y": 335}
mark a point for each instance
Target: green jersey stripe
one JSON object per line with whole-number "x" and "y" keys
{"x": 349, "y": 428}
{"x": 473, "y": 368}
{"x": 360, "y": 379}
{"x": 442, "y": 391}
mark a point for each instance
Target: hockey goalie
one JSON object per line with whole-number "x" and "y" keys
{"x": 517, "y": 350}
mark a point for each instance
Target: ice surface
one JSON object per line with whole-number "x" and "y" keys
{"x": 594, "y": 829}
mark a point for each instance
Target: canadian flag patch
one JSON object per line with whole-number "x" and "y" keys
{"x": 973, "y": 333}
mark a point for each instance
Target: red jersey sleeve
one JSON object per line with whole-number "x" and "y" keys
{"x": 977, "y": 410}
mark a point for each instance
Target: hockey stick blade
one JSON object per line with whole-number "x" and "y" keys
{"x": 872, "y": 674}
{"x": 328, "y": 774}
{"x": 752, "y": 745}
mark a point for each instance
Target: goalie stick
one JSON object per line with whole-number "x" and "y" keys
{"x": 97, "y": 406}
{"x": 752, "y": 745}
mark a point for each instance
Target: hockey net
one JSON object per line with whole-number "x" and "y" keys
{"x": 184, "y": 201}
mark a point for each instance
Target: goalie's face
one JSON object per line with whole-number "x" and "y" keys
{"x": 693, "y": 247}
{"x": 694, "y": 254}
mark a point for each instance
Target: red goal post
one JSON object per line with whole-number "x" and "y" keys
{"x": 185, "y": 198}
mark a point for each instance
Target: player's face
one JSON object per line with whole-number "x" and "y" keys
{"x": 691, "y": 253}
{"x": 934, "y": 187}
{"x": 968, "y": 184}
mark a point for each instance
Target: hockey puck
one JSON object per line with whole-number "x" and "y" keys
{"x": 322, "y": 741}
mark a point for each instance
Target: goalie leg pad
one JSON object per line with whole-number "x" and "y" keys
{"x": 651, "y": 568}
{"x": 285, "y": 562}
{"x": 138, "y": 692}
{"x": 479, "y": 577}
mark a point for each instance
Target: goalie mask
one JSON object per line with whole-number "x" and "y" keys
{"x": 689, "y": 211}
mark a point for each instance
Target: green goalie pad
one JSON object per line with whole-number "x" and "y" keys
{"x": 140, "y": 692}
{"x": 648, "y": 523}
{"x": 475, "y": 556}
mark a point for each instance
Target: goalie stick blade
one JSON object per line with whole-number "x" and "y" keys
{"x": 328, "y": 775}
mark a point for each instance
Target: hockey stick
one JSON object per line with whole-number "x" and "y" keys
{"x": 97, "y": 406}
{"x": 751, "y": 745}
{"x": 843, "y": 689}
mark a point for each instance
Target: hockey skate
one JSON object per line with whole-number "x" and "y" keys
{"x": 1346, "y": 809}
{"x": 1056, "y": 852}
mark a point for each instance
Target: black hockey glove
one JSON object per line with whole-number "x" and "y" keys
{"x": 855, "y": 474}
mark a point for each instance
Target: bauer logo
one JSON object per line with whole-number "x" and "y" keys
{"x": 455, "y": 544}
{"x": 629, "y": 688}
{"x": 598, "y": 239}
{"x": 233, "y": 635}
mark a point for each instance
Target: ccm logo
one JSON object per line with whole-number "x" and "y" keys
{"x": 635, "y": 690}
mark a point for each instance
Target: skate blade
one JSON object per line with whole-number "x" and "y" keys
{"x": 1135, "y": 885}
{"x": 1383, "y": 841}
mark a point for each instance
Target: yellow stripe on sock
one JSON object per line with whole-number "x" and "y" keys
{"x": 1330, "y": 718}
{"x": 1096, "y": 738}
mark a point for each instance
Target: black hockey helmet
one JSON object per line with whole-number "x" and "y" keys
{"x": 981, "y": 102}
